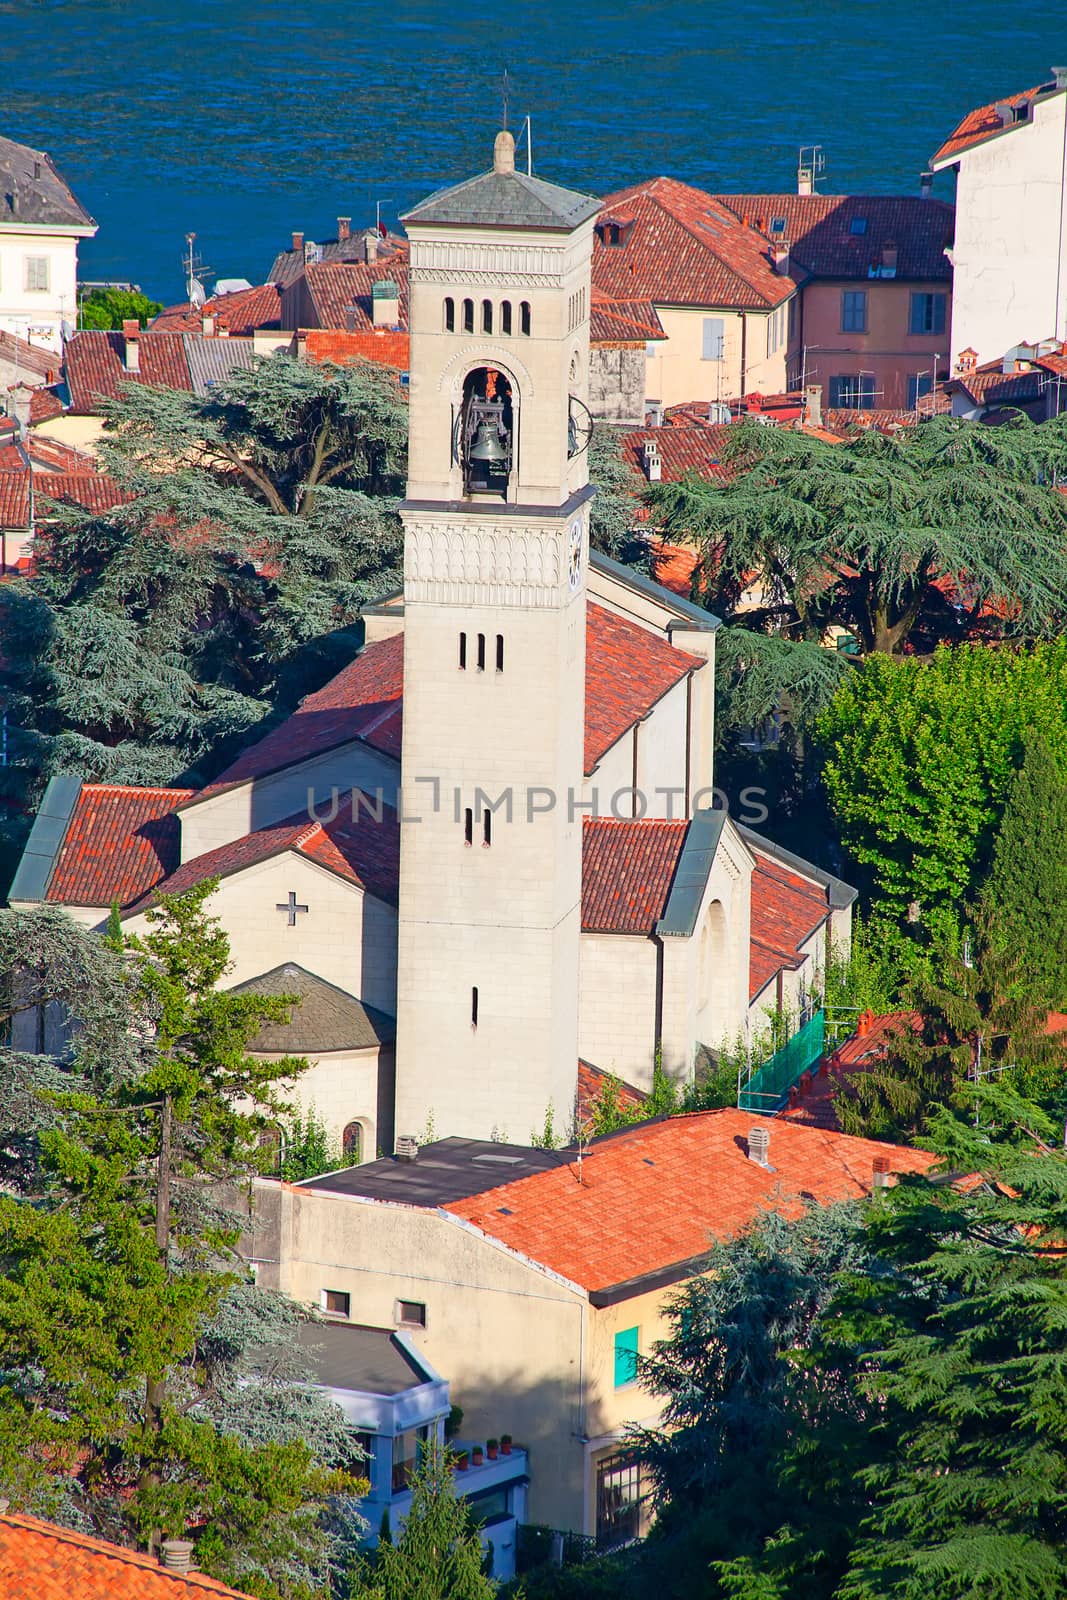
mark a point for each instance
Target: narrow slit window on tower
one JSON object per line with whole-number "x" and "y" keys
{"x": 450, "y": 314}
{"x": 474, "y": 1007}
{"x": 487, "y": 316}
{"x": 524, "y": 316}
{"x": 487, "y": 827}
{"x": 481, "y": 652}
{"x": 463, "y": 652}
{"x": 468, "y": 316}
{"x": 468, "y": 826}
{"x": 500, "y": 652}
{"x": 505, "y": 316}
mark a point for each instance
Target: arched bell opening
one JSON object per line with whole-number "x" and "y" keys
{"x": 486, "y": 432}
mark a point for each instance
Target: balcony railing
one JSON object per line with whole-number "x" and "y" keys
{"x": 766, "y": 1089}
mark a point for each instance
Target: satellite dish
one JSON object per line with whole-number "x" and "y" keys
{"x": 197, "y": 292}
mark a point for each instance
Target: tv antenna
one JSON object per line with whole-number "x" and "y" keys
{"x": 195, "y": 272}
{"x": 505, "y": 90}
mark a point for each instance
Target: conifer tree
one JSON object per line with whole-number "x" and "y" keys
{"x": 1025, "y": 896}
{"x": 438, "y": 1554}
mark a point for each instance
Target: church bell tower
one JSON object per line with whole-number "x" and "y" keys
{"x": 496, "y": 542}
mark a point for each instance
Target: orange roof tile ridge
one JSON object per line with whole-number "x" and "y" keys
{"x": 115, "y": 1552}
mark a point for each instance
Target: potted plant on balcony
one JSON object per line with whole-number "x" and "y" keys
{"x": 477, "y": 1456}
{"x": 505, "y": 1444}
{"x": 453, "y": 1422}
{"x": 492, "y": 1447}
{"x": 463, "y": 1461}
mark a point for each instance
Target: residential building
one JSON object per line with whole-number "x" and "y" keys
{"x": 876, "y": 292}
{"x": 621, "y": 332}
{"x": 42, "y": 1561}
{"x": 41, "y": 224}
{"x": 1008, "y": 258}
{"x": 97, "y": 364}
{"x": 239, "y": 313}
{"x": 397, "y": 1404}
{"x": 534, "y": 1277}
{"x": 725, "y": 297}
{"x": 573, "y": 885}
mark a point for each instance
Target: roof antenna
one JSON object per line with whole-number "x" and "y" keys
{"x": 504, "y": 93}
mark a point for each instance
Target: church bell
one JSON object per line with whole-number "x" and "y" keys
{"x": 488, "y": 446}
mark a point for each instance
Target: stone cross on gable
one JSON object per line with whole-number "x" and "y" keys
{"x": 291, "y": 907}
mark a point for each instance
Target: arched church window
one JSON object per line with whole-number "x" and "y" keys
{"x": 487, "y": 827}
{"x": 505, "y": 316}
{"x": 468, "y": 826}
{"x": 524, "y": 317}
{"x": 481, "y": 652}
{"x": 487, "y": 316}
{"x": 474, "y": 1007}
{"x": 352, "y": 1143}
{"x": 450, "y": 314}
{"x": 500, "y": 652}
{"x": 463, "y": 652}
{"x": 468, "y": 316}
{"x": 485, "y": 435}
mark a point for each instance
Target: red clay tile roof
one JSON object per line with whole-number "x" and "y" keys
{"x": 44, "y": 405}
{"x": 843, "y": 420}
{"x": 623, "y": 321}
{"x": 119, "y": 842}
{"x": 984, "y": 121}
{"x": 14, "y": 499}
{"x": 385, "y": 346}
{"x": 681, "y": 450}
{"x": 92, "y": 490}
{"x": 685, "y": 248}
{"x": 31, "y": 360}
{"x": 95, "y": 371}
{"x": 786, "y": 910}
{"x": 364, "y": 701}
{"x": 655, "y": 1196}
{"x": 353, "y": 844}
{"x": 289, "y": 264}
{"x": 818, "y": 230}
{"x": 40, "y": 1561}
{"x": 627, "y": 872}
{"x": 673, "y": 565}
{"x": 815, "y": 1101}
{"x": 592, "y": 1083}
{"x": 340, "y": 291}
{"x": 627, "y": 671}
{"x": 990, "y": 385}
{"x": 239, "y": 313}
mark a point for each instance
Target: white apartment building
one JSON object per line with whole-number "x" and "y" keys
{"x": 41, "y": 223}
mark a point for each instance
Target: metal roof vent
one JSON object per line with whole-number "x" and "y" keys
{"x": 759, "y": 1145}
{"x": 407, "y": 1147}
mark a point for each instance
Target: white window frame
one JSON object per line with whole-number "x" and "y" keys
{"x": 33, "y": 265}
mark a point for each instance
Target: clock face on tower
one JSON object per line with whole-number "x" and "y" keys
{"x": 574, "y": 565}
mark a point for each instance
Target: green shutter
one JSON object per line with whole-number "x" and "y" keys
{"x": 625, "y": 1357}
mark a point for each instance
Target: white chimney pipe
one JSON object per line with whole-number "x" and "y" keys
{"x": 177, "y": 1555}
{"x": 759, "y": 1145}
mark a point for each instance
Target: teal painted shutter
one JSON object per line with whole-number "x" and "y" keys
{"x": 625, "y": 1357}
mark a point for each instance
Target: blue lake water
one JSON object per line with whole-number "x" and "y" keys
{"x": 244, "y": 121}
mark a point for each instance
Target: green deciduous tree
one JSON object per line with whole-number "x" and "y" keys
{"x": 148, "y": 1390}
{"x": 860, "y": 534}
{"x": 1025, "y": 895}
{"x": 438, "y": 1554}
{"x": 110, "y": 308}
{"x": 919, "y": 760}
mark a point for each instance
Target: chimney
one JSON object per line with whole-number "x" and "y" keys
{"x": 344, "y": 228}
{"x": 385, "y": 303}
{"x": 1060, "y": 75}
{"x": 370, "y": 245}
{"x": 298, "y": 241}
{"x": 926, "y": 185}
{"x": 889, "y": 259}
{"x": 1002, "y": 108}
{"x": 177, "y": 1555}
{"x": 759, "y": 1145}
{"x": 813, "y": 405}
{"x": 652, "y": 460}
{"x": 407, "y": 1147}
{"x": 654, "y": 413}
{"x": 880, "y": 1179}
{"x": 131, "y": 355}
{"x": 780, "y": 259}
{"x": 207, "y": 324}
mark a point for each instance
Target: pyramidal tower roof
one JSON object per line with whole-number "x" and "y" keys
{"x": 504, "y": 198}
